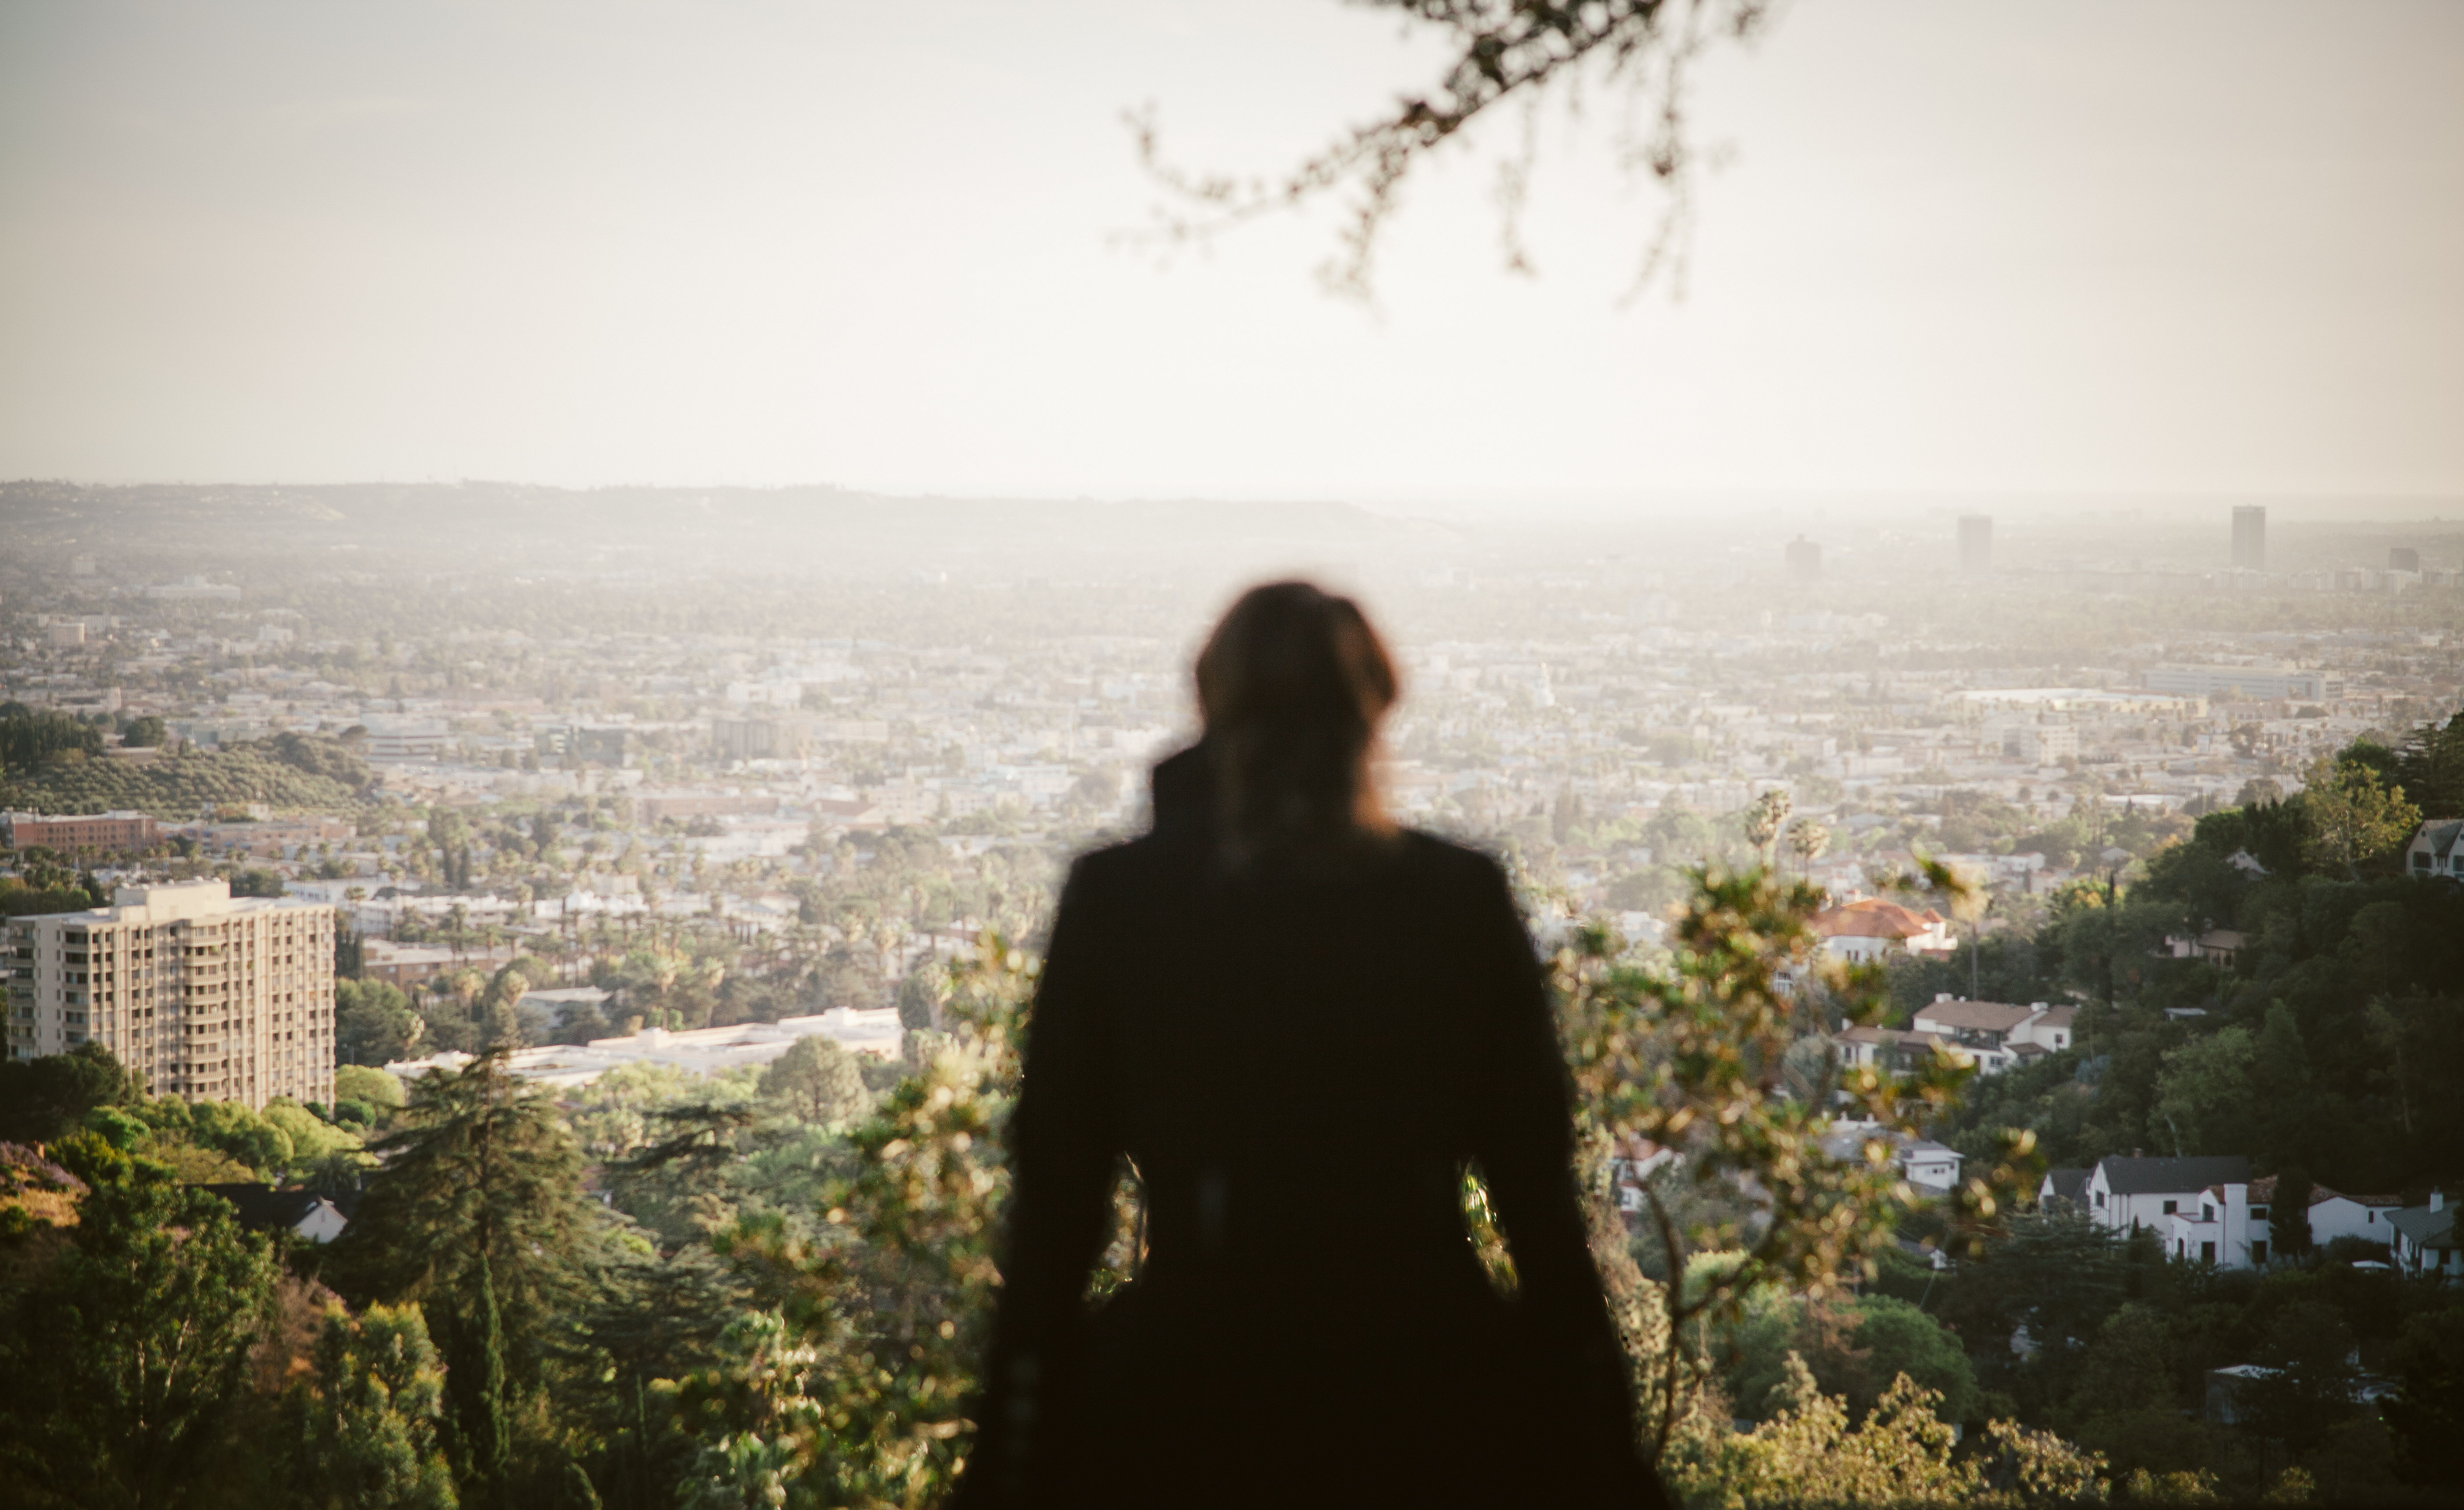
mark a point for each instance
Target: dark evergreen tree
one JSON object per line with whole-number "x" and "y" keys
{"x": 477, "y": 1213}
{"x": 476, "y": 1383}
{"x": 2288, "y": 1213}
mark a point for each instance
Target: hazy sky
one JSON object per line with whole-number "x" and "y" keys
{"x": 2146, "y": 247}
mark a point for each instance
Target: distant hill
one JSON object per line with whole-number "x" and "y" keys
{"x": 462, "y": 525}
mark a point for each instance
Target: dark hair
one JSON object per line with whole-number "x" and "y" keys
{"x": 1292, "y": 684}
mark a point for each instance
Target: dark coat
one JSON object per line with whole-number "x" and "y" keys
{"x": 1299, "y": 1060}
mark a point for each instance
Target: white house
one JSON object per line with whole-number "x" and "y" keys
{"x": 2126, "y": 1194}
{"x": 2062, "y": 1184}
{"x": 2219, "y": 1227}
{"x": 1872, "y": 929}
{"x": 1921, "y": 1161}
{"x": 2425, "y": 1239}
{"x": 2229, "y": 1226}
{"x": 2000, "y": 1034}
{"x": 2334, "y": 1214}
{"x": 2438, "y": 848}
{"x": 262, "y": 1208}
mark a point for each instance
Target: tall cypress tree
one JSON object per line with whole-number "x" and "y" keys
{"x": 477, "y": 1383}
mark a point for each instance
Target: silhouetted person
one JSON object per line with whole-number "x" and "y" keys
{"x": 1299, "y": 1021}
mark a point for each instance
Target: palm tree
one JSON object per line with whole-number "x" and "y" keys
{"x": 1765, "y": 816}
{"x": 1806, "y": 839}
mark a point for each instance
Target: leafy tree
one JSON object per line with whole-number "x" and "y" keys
{"x": 819, "y": 1080}
{"x": 852, "y": 1388}
{"x": 920, "y": 996}
{"x": 41, "y": 1099}
{"x": 18, "y": 899}
{"x": 369, "y": 1423}
{"x": 2428, "y": 1411}
{"x": 2308, "y": 1352}
{"x": 1498, "y": 57}
{"x": 1856, "y": 1349}
{"x": 231, "y": 1128}
{"x": 316, "y": 754}
{"x": 356, "y": 1082}
{"x": 1692, "y": 1057}
{"x": 30, "y": 738}
{"x": 2203, "y": 1096}
{"x": 1806, "y": 1454}
{"x": 146, "y": 732}
{"x": 120, "y": 1371}
{"x": 2126, "y": 1400}
{"x": 2354, "y": 817}
{"x": 316, "y": 1143}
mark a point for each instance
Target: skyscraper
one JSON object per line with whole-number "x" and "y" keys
{"x": 210, "y": 997}
{"x": 2250, "y": 536}
{"x": 1976, "y": 544}
{"x": 1804, "y": 562}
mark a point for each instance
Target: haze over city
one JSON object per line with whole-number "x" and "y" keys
{"x": 2208, "y": 249}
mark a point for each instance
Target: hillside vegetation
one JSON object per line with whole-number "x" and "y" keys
{"x": 288, "y": 772}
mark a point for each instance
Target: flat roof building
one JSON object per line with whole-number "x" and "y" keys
{"x": 92, "y": 830}
{"x": 2250, "y": 684}
{"x": 1976, "y": 544}
{"x": 210, "y": 997}
{"x": 2250, "y": 536}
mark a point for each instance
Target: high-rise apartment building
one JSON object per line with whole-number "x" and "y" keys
{"x": 211, "y": 997}
{"x": 2250, "y": 536}
{"x": 1804, "y": 562}
{"x": 1976, "y": 544}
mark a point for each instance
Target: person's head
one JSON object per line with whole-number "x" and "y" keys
{"x": 1292, "y": 685}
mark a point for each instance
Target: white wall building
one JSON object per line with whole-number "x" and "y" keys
{"x": 210, "y": 997}
{"x": 2127, "y": 1193}
{"x": 697, "y": 1050}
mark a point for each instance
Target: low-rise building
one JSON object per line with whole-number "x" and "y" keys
{"x": 700, "y": 1051}
{"x": 2333, "y": 1213}
{"x": 407, "y": 967}
{"x": 2424, "y": 1240}
{"x": 2438, "y": 848}
{"x": 2128, "y": 1194}
{"x": 1872, "y": 929}
{"x": 304, "y": 1213}
{"x": 1921, "y": 1161}
{"x": 1999, "y": 1035}
{"x": 2258, "y": 683}
{"x": 72, "y": 833}
{"x": 2063, "y": 1188}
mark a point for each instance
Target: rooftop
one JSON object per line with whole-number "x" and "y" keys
{"x": 2139, "y": 1176}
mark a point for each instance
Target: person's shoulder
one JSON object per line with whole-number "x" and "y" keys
{"x": 1450, "y": 865}
{"x": 1127, "y": 864}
